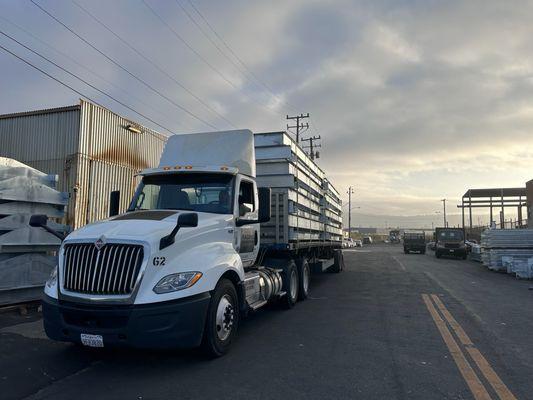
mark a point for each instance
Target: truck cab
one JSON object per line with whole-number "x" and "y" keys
{"x": 180, "y": 266}
{"x": 414, "y": 241}
{"x": 450, "y": 242}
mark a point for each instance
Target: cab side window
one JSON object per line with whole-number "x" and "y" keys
{"x": 246, "y": 198}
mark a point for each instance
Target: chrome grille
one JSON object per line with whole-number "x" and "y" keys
{"x": 112, "y": 270}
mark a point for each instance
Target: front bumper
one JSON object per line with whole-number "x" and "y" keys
{"x": 457, "y": 252}
{"x": 172, "y": 324}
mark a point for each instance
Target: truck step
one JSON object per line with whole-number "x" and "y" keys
{"x": 257, "y": 304}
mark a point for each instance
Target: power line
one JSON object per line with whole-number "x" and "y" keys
{"x": 299, "y": 125}
{"x": 131, "y": 95}
{"x": 147, "y": 59}
{"x": 122, "y": 67}
{"x": 182, "y": 40}
{"x": 239, "y": 59}
{"x": 312, "y": 146}
{"x": 70, "y": 87}
{"x": 77, "y": 77}
{"x": 236, "y": 65}
{"x": 202, "y": 58}
{"x": 227, "y": 46}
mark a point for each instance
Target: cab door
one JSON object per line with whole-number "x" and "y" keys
{"x": 246, "y": 241}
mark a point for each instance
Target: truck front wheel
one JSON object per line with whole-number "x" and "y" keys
{"x": 222, "y": 319}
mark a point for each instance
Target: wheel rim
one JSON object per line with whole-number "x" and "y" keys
{"x": 305, "y": 278}
{"x": 225, "y": 317}
{"x": 294, "y": 284}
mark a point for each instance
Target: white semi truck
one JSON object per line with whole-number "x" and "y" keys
{"x": 185, "y": 263}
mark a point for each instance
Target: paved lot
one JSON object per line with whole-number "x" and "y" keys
{"x": 392, "y": 326}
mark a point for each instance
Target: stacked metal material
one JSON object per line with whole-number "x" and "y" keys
{"x": 475, "y": 253}
{"x": 299, "y": 186}
{"x": 27, "y": 255}
{"x": 509, "y": 250}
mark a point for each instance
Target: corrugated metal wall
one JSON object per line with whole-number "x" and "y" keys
{"x": 46, "y": 140}
{"x": 109, "y": 157}
{"x": 89, "y": 147}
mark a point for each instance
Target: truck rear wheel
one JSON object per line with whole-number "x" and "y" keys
{"x": 304, "y": 275}
{"x": 338, "y": 262}
{"x": 222, "y": 319}
{"x": 290, "y": 285}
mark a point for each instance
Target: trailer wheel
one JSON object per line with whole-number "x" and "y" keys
{"x": 304, "y": 275}
{"x": 338, "y": 261}
{"x": 290, "y": 285}
{"x": 222, "y": 319}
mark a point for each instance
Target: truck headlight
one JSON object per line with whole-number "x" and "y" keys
{"x": 179, "y": 281}
{"x": 52, "y": 279}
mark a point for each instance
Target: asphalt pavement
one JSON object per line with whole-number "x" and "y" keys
{"x": 391, "y": 326}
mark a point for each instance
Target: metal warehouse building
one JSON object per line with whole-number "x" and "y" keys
{"x": 93, "y": 151}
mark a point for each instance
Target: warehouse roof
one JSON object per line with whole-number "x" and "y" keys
{"x": 499, "y": 192}
{"x": 39, "y": 112}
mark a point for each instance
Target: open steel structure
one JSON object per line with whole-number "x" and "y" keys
{"x": 499, "y": 199}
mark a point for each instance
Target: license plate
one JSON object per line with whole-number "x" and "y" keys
{"x": 451, "y": 251}
{"x": 92, "y": 340}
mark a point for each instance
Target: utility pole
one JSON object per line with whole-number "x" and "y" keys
{"x": 444, "y": 206}
{"x": 350, "y": 192}
{"x": 313, "y": 146}
{"x": 299, "y": 125}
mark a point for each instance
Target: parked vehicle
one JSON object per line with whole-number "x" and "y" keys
{"x": 394, "y": 236}
{"x": 348, "y": 243}
{"x": 450, "y": 242}
{"x": 431, "y": 245}
{"x": 367, "y": 240}
{"x": 414, "y": 241}
{"x": 358, "y": 243}
{"x": 188, "y": 259}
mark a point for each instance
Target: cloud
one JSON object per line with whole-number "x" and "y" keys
{"x": 414, "y": 100}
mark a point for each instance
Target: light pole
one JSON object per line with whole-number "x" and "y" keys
{"x": 444, "y": 216}
{"x": 350, "y": 192}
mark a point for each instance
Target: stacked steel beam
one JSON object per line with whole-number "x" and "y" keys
{"x": 27, "y": 254}
{"x": 299, "y": 186}
{"x": 509, "y": 250}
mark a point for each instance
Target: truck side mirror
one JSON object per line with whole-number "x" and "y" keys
{"x": 114, "y": 203}
{"x": 188, "y": 220}
{"x": 38, "y": 220}
{"x": 264, "y": 204}
{"x": 185, "y": 220}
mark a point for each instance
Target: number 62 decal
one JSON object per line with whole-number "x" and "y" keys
{"x": 159, "y": 261}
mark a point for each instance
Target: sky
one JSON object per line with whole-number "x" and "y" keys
{"x": 415, "y": 101}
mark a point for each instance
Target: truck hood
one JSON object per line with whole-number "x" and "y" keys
{"x": 147, "y": 226}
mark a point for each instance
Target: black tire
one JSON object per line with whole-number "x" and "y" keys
{"x": 437, "y": 254}
{"x": 405, "y": 250}
{"x": 290, "y": 285}
{"x": 338, "y": 262}
{"x": 423, "y": 251}
{"x": 464, "y": 256}
{"x": 304, "y": 274}
{"x": 214, "y": 343}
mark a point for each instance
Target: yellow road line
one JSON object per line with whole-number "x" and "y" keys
{"x": 476, "y": 387}
{"x": 492, "y": 377}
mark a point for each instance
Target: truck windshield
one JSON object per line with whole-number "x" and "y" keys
{"x": 450, "y": 235}
{"x": 211, "y": 193}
